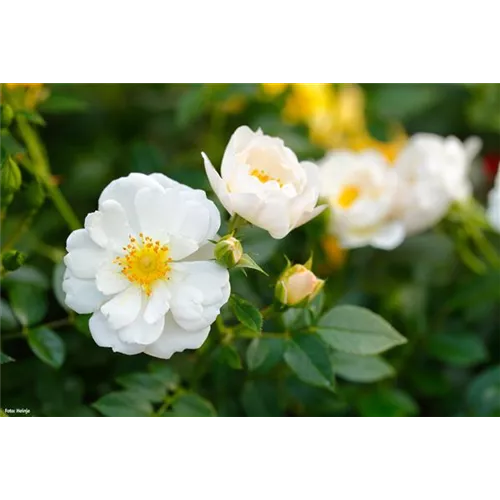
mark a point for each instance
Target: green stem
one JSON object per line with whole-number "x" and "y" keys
{"x": 42, "y": 169}
{"x": 235, "y": 223}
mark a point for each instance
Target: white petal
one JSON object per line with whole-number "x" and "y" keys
{"x": 307, "y": 216}
{"x": 105, "y": 336}
{"x": 247, "y": 205}
{"x": 274, "y": 217}
{"x": 158, "y": 303}
{"x": 175, "y": 339}
{"x": 110, "y": 280}
{"x": 109, "y": 226}
{"x": 84, "y": 255}
{"x": 390, "y": 236}
{"x": 218, "y": 185}
{"x": 167, "y": 182}
{"x": 239, "y": 140}
{"x": 81, "y": 295}
{"x": 206, "y": 252}
{"x": 142, "y": 332}
{"x": 180, "y": 247}
{"x": 154, "y": 212}
{"x": 196, "y": 222}
{"x": 122, "y": 309}
{"x": 123, "y": 190}
{"x": 199, "y": 290}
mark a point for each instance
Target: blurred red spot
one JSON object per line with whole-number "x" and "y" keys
{"x": 491, "y": 165}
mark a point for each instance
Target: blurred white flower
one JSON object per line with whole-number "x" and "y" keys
{"x": 433, "y": 173}
{"x": 361, "y": 190}
{"x": 140, "y": 265}
{"x": 263, "y": 182}
{"x": 493, "y": 212}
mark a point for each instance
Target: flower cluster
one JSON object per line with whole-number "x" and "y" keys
{"x": 378, "y": 202}
{"x": 141, "y": 264}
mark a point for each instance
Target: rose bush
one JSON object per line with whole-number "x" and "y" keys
{"x": 343, "y": 262}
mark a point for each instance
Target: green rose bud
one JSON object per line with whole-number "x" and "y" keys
{"x": 297, "y": 286}
{"x": 228, "y": 251}
{"x": 7, "y": 115}
{"x": 10, "y": 181}
{"x": 12, "y": 260}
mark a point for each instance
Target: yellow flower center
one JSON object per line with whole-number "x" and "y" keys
{"x": 145, "y": 262}
{"x": 348, "y": 196}
{"x": 264, "y": 177}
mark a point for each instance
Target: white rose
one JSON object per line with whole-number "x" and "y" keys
{"x": 140, "y": 266}
{"x": 433, "y": 172}
{"x": 361, "y": 190}
{"x": 263, "y": 182}
{"x": 493, "y": 212}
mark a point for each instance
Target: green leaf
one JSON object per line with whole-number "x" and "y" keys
{"x": 5, "y": 359}
{"x": 387, "y": 403}
{"x": 58, "y": 103}
{"x": 123, "y": 404}
{"x": 32, "y": 116}
{"x": 47, "y": 345}
{"x": 8, "y": 320}
{"x": 483, "y": 394}
{"x": 246, "y": 313}
{"x": 360, "y": 368}
{"x": 356, "y": 330}
{"x": 146, "y": 385}
{"x": 229, "y": 355}
{"x": 28, "y": 303}
{"x": 82, "y": 323}
{"x": 191, "y": 405}
{"x": 460, "y": 349}
{"x": 308, "y": 358}
{"x": 27, "y": 275}
{"x": 263, "y": 353}
{"x": 247, "y": 262}
{"x": 164, "y": 373}
{"x": 260, "y": 399}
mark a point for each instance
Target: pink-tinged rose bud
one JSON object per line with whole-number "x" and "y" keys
{"x": 297, "y": 286}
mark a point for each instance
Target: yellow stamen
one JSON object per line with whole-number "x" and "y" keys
{"x": 144, "y": 264}
{"x": 348, "y": 196}
{"x": 263, "y": 177}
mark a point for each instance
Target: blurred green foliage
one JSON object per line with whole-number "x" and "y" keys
{"x": 93, "y": 134}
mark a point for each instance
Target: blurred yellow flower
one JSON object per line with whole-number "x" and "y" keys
{"x": 334, "y": 253}
{"x": 274, "y": 89}
{"x": 12, "y": 85}
{"x": 335, "y": 116}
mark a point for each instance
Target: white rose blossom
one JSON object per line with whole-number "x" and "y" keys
{"x": 361, "y": 190}
{"x": 141, "y": 267}
{"x": 493, "y": 212}
{"x": 433, "y": 173}
{"x": 263, "y": 182}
